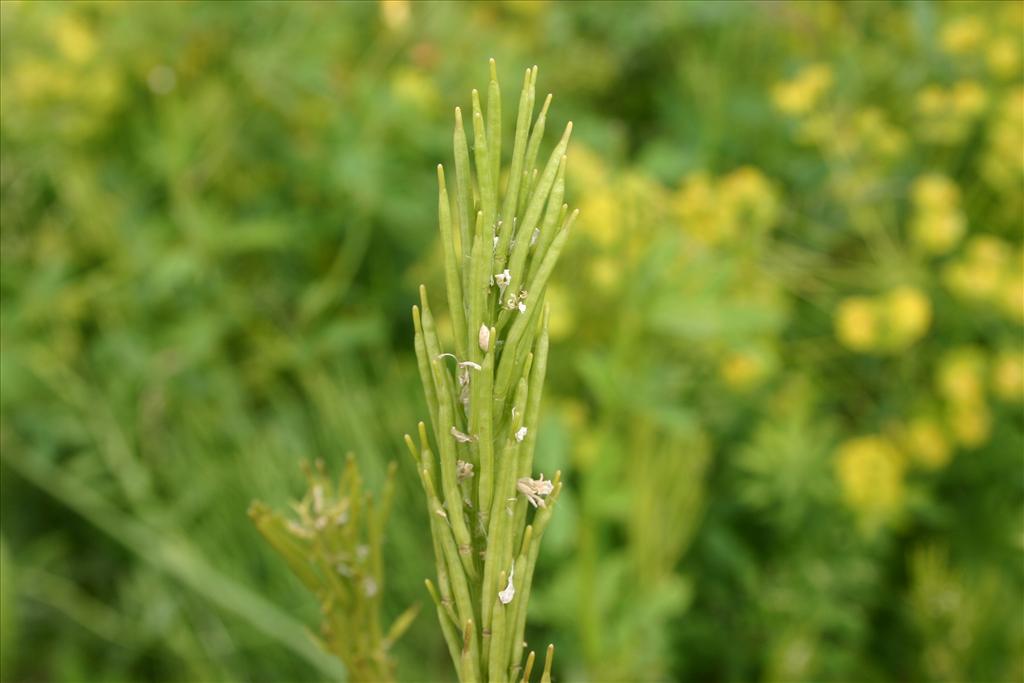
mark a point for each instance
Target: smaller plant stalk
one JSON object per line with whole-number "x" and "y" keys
{"x": 334, "y": 547}
{"x": 500, "y": 249}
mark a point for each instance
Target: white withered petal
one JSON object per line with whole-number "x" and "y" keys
{"x": 502, "y": 279}
{"x": 463, "y": 469}
{"x": 510, "y": 590}
{"x": 535, "y": 489}
{"x": 462, "y": 437}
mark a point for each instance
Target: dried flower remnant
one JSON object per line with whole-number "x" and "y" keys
{"x": 462, "y": 437}
{"x": 509, "y": 592}
{"x": 535, "y": 489}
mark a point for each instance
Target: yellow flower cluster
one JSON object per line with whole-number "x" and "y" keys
{"x": 738, "y": 205}
{"x": 961, "y": 381}
{"x": 964, "y": 376}
{"x": 887, "y": 323}
{"x": 804, "y": 92}
{"x": 963, "y": 35}
{"x": 1003, "y": 57}
{"x": 591, "y": 176}
{"x": 945, "y": 116}
{"x": 938, "y": 223}
{"x": 989, "y": 272}
{"x": 865, "y": 135}
{"x": 871, "y": 473}
{"x": 620, "y": 211}
{"x": 64, "y": 76}
{"x": 969, "y": 36}
{"x": 746, "y": 369}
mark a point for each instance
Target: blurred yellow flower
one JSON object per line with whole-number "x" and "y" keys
{"x": 946, "y": 116}
{"x": 970, "y": 280}
{"x": 926, "y": 443}
{"x": 744, "y": 370}
{"x": 935, "y": 191}
{"x": 588, "y": 169}
{"x": 742, "y": 202}
{"x": 968, "y": 98}
{"x": 1011, "y": 298}
{"x": 870, "y": 472}
{"x": 938, "y": 232}
{"x": 394, "y": 14}
{"x": 857, "y": 323}
{"x": 1008, "y": 375}
{"x": 963, "y": 35}
{"x": 803, "y": 93}
{"x": 984, "y": 273}
{"x": 960, "y": 376}
{"x": 696, "y": 206}
{"x": 970, "y": 422}
{"x": 938, "y": 224}
{"x": 909, "y": 314}
{"x": 74, "y": 39}
{"x": 601, "y": 217}
{"x": 35, "y": 79}
{"x": 749, "y": 195}
{"x": 931, "y": 100}
{"x": 876, "y": 136}
{"x": 988, "y": 250}
{"x": 1003, "y": 57}
{"x": 606, "y": 272}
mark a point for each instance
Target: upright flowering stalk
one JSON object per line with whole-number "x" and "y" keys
{"x": 487, "y": 510}
{"x": 334, "y": 545}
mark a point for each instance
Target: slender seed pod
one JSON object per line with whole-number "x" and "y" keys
{"x": 553, "y": 220}
{"x": 452, "y": 263}
{"x": 478, "y": 285}
{"x": 528, "y": 669}
{"x": 515, "y": 172}
{"x": 470, "y": 654}
{"x": 533, "y": 148}
{"x": 463, "y": 190}
{"x": 449, "y": 479}
{"x": 481, "y": 402}
{"x": 497, "y": 652}
{"x": 494, "y": 128}
{"x": 482, "y": 156}
{"x": 451, "y": 636}
{"x": 533, "y": 210}
{"x": 548, "y": 659}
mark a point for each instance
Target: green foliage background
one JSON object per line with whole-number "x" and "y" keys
{"x": 787, "y": 364}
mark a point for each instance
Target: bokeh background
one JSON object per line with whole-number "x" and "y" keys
{"x": 787, "y": 365}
